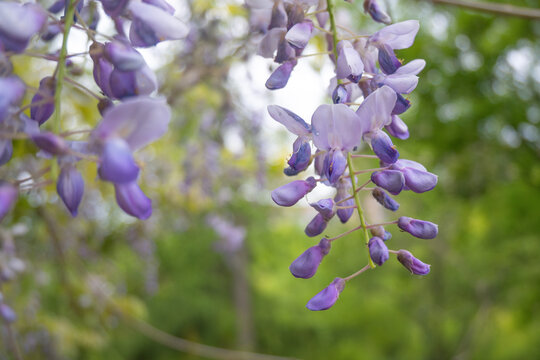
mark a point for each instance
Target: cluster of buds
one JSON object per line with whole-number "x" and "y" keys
{"x": 368, "y": 94}
{"x": 131, "y": 116}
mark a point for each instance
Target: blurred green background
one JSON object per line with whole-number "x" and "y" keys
{"x": 91, "y": 283}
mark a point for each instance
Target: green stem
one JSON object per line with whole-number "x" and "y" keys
{"x": 61, "y": 67}
{"x": 356, "y": 196}
{"x": 333, "y": 28}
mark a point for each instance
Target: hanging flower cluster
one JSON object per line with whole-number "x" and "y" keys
{"x": 368, "y": 95}
{"x": 131, "y": 117}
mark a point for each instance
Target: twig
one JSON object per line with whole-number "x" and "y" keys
{"x": 499, "y": 9}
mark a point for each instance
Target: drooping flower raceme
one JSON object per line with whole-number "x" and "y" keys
{"x": 369, "y": 93}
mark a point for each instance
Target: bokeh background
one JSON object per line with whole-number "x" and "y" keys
{"x": 211, "y": 264}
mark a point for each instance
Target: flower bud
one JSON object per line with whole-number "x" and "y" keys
{"x": 7, "y": 313}
{"x": 379, "y": 231}
{"x": 117, "y": 162}
{"x": 289, "y": 194}
{"x": 391, "y": 180}
{"x": 70, "y": 188}
{"x": 382, "y": 197}
{"x": 349, "y": 62}
{"x": 124, "y": 84}
{"x": 383, "y": 147}
{"x": 343, "y": 187}
{"x": 419, "y": 228}
{"x": 378, "y": 250}
{"x": 8, "y": 195}
{"x": 42, "y": 105}
{"x": 306, "y": 265}
{"x": 419, "y": 181}
{"x": 412, "y": 264}
{"x": 133, "y": 201}
{"x": 327, "y": 297}
{"x": 316, "y": 226}
{"x": 334, "y": 165}
{"x": 325, "y": 207}
{"x": 279, "y": 78}
{"x": 285, "y": 52}
{"x": 51, "y": 143}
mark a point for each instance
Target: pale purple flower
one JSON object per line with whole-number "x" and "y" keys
{"x": 289, "y": 194}
{"x": 133, "y": 201}
{"x": 343, "y": 187}
{"x": 412, "y": 264}
{"x": 70, "y": 188}
{"x": 301, "y": 157}
{"x": 335, "y": 164}
{"x": 123, "y": 56}
{"x": 316, "y": 226}
{"x": 279, "y": 77}
{"x": 117, "y": 164}
{"x": 418, "y": 228}
{"x": 336, "y": 127}
{"x": 269, "y": 43}
{"x": 417, "y": 178}
{"x": 378, "y": 250}
{"x": 306, "y": 265}
{"x": 327, "y": 297}
{"x": 294, "y": 123}
{"x": 325, "y": 207}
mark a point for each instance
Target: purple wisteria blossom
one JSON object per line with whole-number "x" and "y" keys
{"x": 306, "y": 265}
{"x": 412, "y": 264}
{"x": 18, "y": 24}
{"x": 327, "y": 297}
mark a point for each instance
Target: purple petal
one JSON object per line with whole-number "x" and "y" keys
{"x": 8, "y": 196}
{"x": 419, "y": 181}
{"x": 397, "y": 128}
{"x": 285, "y": 52}
{"x": 138, "y": 121}
{"x": 316, "y": 226}
{"x": 402, "y": 84}
{"x": 269, "y": 43}
{"x": 418, "y": 228}
{"x": 299, "y": 35}
{"x": 113, "y": 8}
{"x": 388, "y": 61}
{"x": 413, "y": 67}
{"x": 70, "y": 188}
{"x": 375, "y": 111}
{"x": 279, "y": 16}
{"x": 300, "y": 159}
{"x": 391, "y": 180}
{"x": 123, "y": 56}
{"x": 6, "y": 151}
{"x": 102, "y": 74}
{"x": 383, "y": 147}
{"x": 402, "y": 105}
{"x": 164, "y": 25}
{"x": 378, "y": 251}
{"x": 334, "y": 166}
{"x": 376, "y": 12}
{"x": 133, "y": 201}
{"x": 117, "y": 163}
{"x": 162, "y": 4}
{"x": 397, "y": 36}
{"x": 336, "y": 127}
{"x": 12, "y": 90}
{"x": 279, "y": 78}
{"x": 290, "y": 120}
{"x": 18, "y": 23}
{"x": 403, "y": 163}
{"x": 327, "y": 297}
{"x": 340, "y": 95}
{"x": 289, "y": 194}
{"x": 306, "y": 265}
{"x": 349, "y": 61}
{"x": 325, "y": 207}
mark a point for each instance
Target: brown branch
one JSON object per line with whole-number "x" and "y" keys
{"x": 494, "y": 8}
